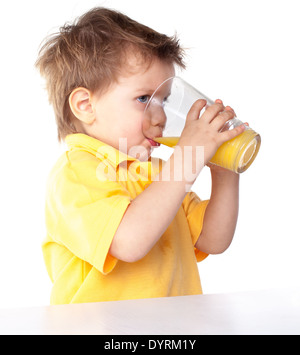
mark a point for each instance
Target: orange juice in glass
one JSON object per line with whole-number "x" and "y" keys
{"x": 175, "y": 97}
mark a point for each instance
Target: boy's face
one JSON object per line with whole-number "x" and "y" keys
{"x": 120, "y": 110}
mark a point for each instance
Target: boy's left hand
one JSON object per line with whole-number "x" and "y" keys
{"x": 218, "y": 171}
{"x": 216, "y": 168}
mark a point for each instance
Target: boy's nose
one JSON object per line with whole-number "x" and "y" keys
{"x": 154, "y": 116}
{"x": 158, "y": 117}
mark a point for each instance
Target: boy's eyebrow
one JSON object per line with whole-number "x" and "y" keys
{"x": 151, "y": 90}
{"x": 144, "y": 89}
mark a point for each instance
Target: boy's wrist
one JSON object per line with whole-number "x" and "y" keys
{"x": 223, "y": 177}
{"x": 219, "y": 171}
{"x": 188, "y": 163}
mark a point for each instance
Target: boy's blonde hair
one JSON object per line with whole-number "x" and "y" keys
{"x": 91, "y": 53}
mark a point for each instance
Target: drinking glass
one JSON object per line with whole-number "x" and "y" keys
{"x": 172, "y": 101}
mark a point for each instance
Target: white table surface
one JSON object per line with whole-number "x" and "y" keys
{"x": 263, "y": 312}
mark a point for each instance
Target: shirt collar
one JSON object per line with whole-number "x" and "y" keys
{"x": 97, "y": 148}
{"x": 114, "y": 156}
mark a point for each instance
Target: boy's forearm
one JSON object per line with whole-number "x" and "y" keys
{"x": 149, "y": 215}
{"x": 221, "y": 214}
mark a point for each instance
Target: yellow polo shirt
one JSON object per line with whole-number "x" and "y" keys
{"x": 88, "y": 192}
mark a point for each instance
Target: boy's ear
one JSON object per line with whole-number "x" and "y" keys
{"x": 81, "y": 106}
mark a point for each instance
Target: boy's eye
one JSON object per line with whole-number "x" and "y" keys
{"x": 166, "y": 100}
{"x": 143, "y": 99}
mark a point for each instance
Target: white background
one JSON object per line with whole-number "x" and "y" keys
{"x": 244, "y": 52}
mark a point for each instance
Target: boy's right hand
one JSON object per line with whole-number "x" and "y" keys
{"x": 204, "y": 130}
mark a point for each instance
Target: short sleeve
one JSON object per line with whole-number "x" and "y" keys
{"x": 83, "y": 213}
{"x": 194, "y": 209}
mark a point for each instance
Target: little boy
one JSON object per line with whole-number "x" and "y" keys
{"x": 115, "y": 229}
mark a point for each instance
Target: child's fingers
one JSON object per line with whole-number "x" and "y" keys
{"x": 227, "y": 135}
{"x": 196, "y": 109}
{"x": 228, "y": 108}
{"x": 219, "y": 122}
{"x": 212, "y": 111}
